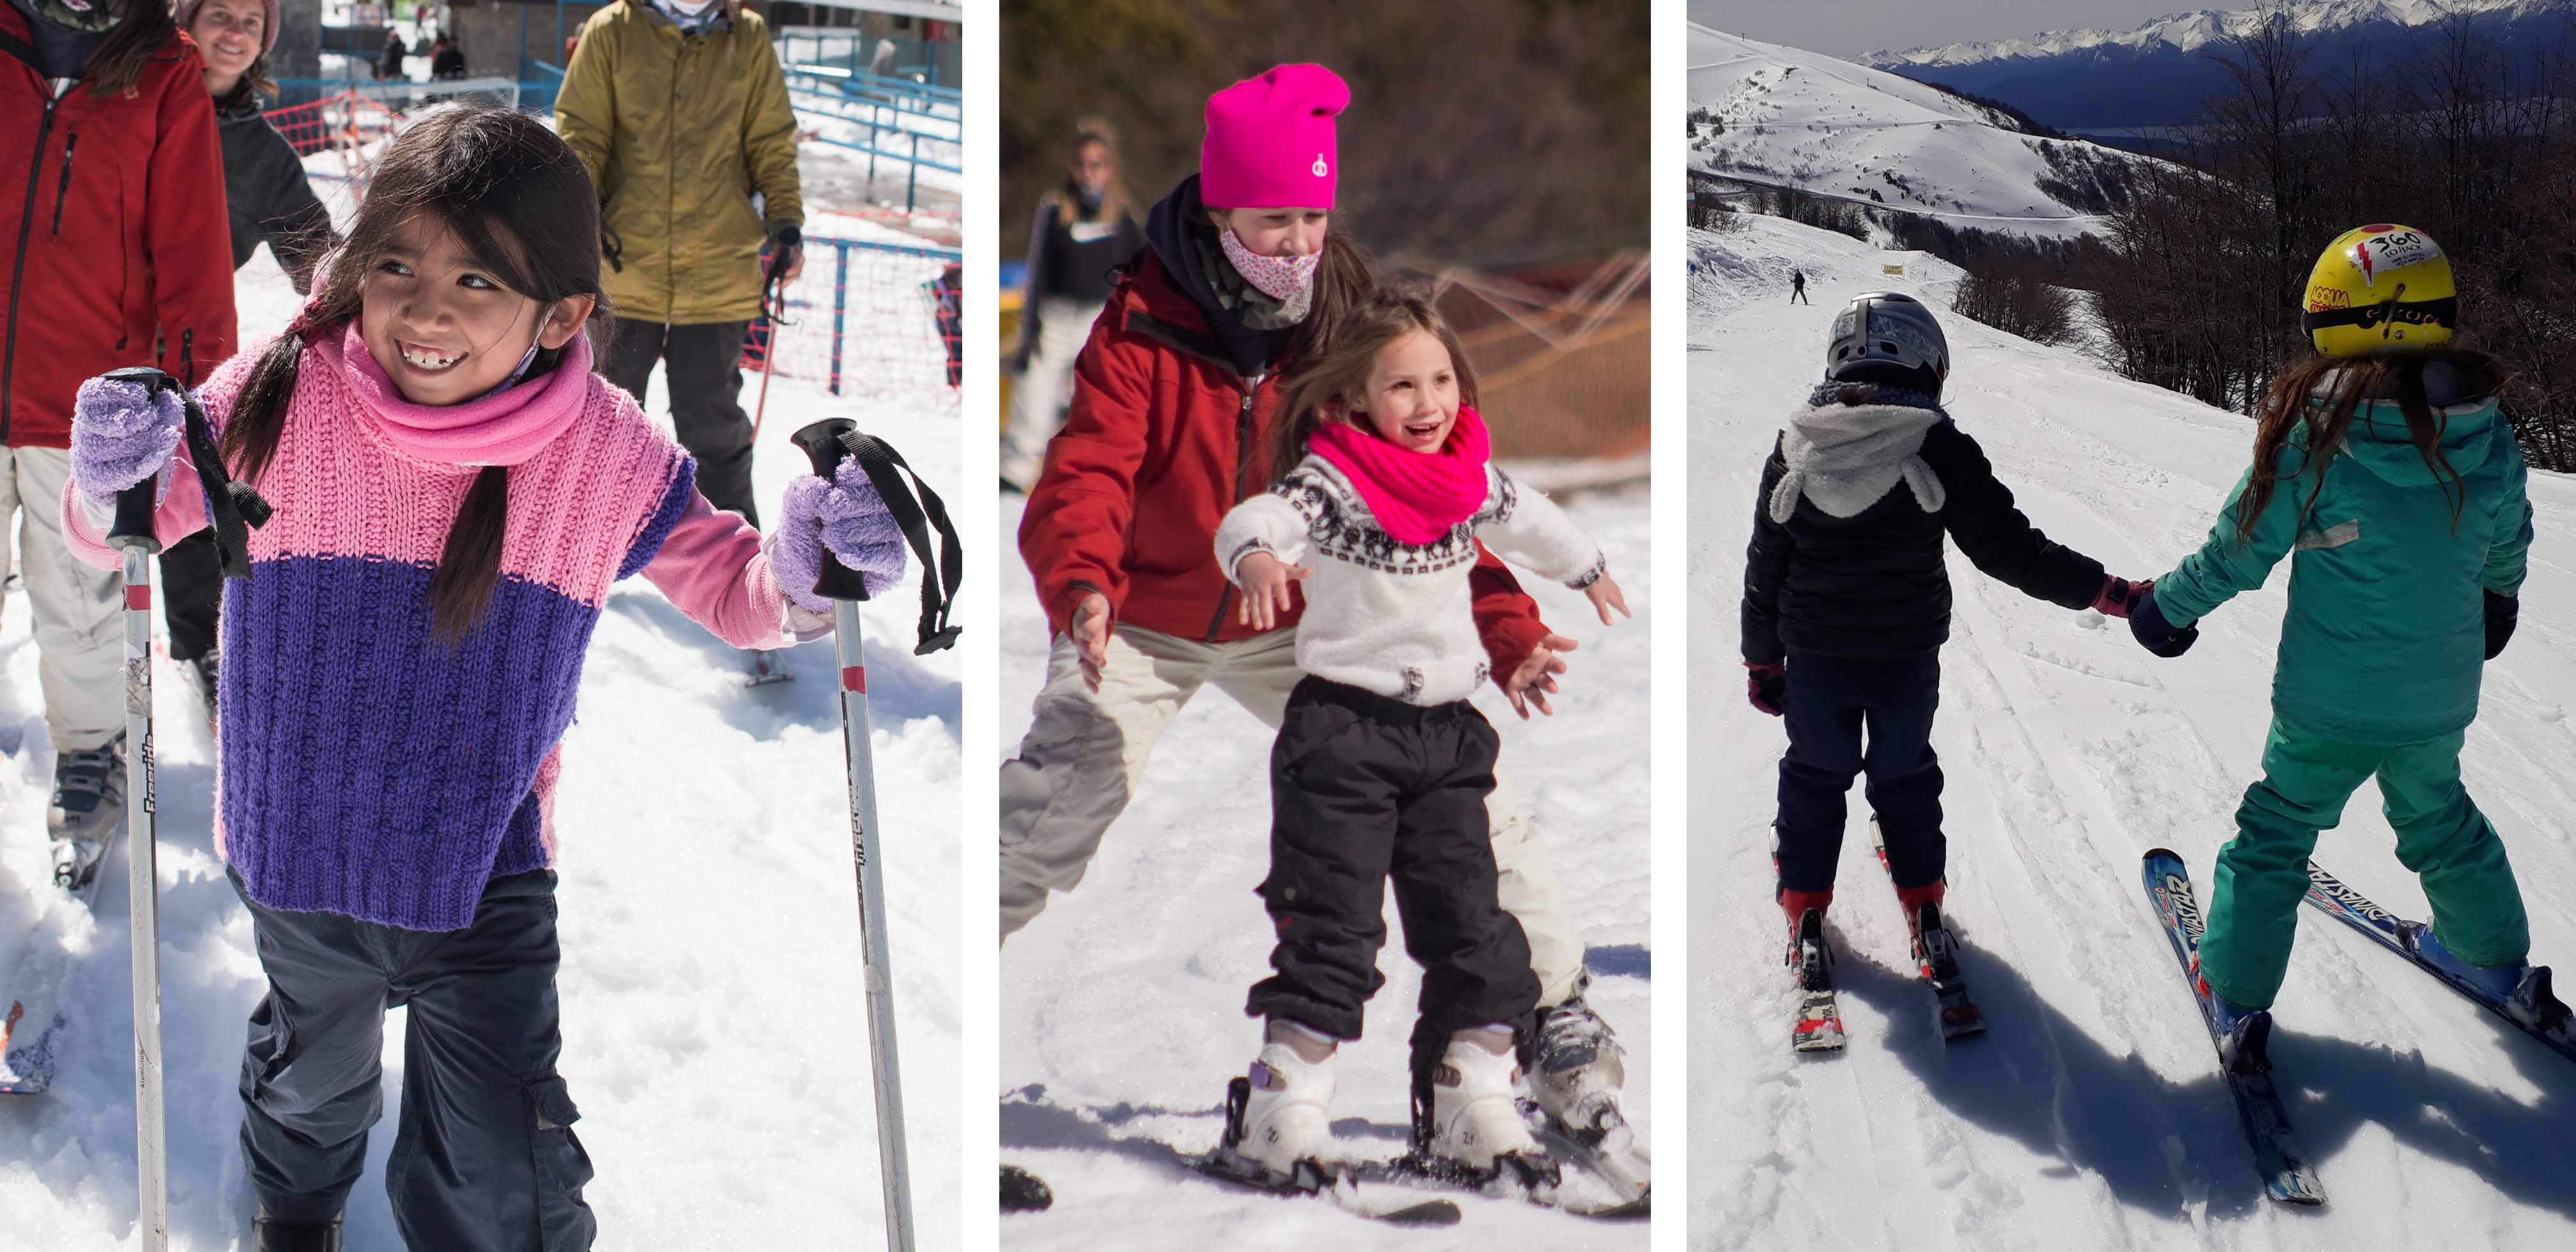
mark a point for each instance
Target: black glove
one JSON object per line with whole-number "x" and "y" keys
{"x": 2147, "y": 622}
{"x": 2502, "y": 613}
{"x": 1767, "y": 687}
{"x": 786, "y": 235}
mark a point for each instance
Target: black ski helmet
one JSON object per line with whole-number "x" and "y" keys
{"x": 1890, "y": 338}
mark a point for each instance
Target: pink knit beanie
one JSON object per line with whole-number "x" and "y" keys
{"x": 1270, "y": 141}
{"x": 185, "y": 12}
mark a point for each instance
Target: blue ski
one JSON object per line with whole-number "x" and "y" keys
{"x": 2549, "y": 1022}
{"x": 2287, "y": 1174}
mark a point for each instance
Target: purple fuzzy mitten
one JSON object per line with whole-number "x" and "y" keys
{"x": 122, "y": 434}
{"x": 845, "y": 515}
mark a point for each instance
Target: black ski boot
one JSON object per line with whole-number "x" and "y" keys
{"x": 1022, "y": 1192}
{"x": 268, "y": 1234}
{"x": 1820, "y": 1023}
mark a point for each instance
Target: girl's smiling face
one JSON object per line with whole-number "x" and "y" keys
{"x": 228, "y": 35}
{"x": 442, "y": 326}
{"x": 1277, "y": 232}
{"x": 1411, "y": 399}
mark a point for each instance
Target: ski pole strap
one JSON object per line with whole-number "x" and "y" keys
{"x": 939, "y": 578}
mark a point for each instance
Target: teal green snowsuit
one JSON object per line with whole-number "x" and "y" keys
{"x": 2378, "y": 671}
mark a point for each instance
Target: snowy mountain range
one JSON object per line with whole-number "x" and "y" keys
{"x": 2157, "y": 73}
{"x": 1768, "y": 115}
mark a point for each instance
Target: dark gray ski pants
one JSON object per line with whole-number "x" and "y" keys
{"x": 705, "y": 375}
{"x": 485, "y": 1159}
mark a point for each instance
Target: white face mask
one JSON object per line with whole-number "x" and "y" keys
{"x": 691, "y": 8}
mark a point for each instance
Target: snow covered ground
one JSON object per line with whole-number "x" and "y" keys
{"x": 1828, "y": 127}
{"x": 715, "y": 1033}
{"x": 2090, "y": 1116}
{"x": 1122, "y": 1004}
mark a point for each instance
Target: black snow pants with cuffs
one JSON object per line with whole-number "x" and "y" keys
{"x": 1831, "y": 700}
{"x": 485, "y": 1159}
{"x": 1365, "y": 789}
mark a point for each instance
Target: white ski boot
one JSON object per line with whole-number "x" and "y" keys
{"x": 1472, "y": 1129}
{"x": 1276, "y": 1131}
{"x": 1575, "y": 1076}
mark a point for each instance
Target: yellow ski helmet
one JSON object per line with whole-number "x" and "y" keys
{"x": 2378, "y": 290}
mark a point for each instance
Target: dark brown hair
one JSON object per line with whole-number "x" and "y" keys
{"x": 521, "y": 204}
{"x": 144, "y": 33}
{"x": 1320, "y": 388}
{"x": 2319, "y": 397}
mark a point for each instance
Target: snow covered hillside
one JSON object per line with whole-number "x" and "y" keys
{"x": 1790, "y": 118}
{"x": 1122, "y": 1004}
{"x": 2201, "y": 28}
{"x": 2090, "y": 1115}
{"x": 715, "y": 1034}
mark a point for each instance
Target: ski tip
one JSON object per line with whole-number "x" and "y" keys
{"x": 2166, "y": 853}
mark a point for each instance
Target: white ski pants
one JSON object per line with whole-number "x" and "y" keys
{"x": 80, "y": 631}
{"x": 1037, "y": 398}
{"x": 1085, "y": 751}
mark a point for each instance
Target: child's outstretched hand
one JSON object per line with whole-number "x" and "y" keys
{"x": 1529, "y": 684}
{"x": 845, "y": 516}
{"x": 1264, "y": 579}
{"x": 1605, "y": 595}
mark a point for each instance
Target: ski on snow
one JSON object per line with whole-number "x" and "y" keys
{"x": 32, "y": 1023}
{"x": 2288, "y": 1175}
{"x": 2403, "y": 937}
{"x": 1938, "y": 960}
{"x": 1819, "y": 1024}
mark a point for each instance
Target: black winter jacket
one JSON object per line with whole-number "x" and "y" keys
{"x": 267, "y": 194}
{"x": 1874, "y": 584}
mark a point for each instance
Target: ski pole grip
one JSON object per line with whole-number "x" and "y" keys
{"x": 134, "y": 509}
{"x": 822, "y": 444}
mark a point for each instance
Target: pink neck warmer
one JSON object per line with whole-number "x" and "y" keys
{"x": 1417, "y": 496}
{"x": 503, "y": 429}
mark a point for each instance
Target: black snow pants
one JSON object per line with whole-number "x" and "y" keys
{"x": 1363, "y": 789}
{"x": 1829, "y": 701}
{"x": 704, "y": 379}
{"x": 485, "y": 1159}
{"x": 192, "y": 593}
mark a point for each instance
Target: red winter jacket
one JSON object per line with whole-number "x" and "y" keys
{"x": 1164, "y": 438}
{"x": 112, "y": 216}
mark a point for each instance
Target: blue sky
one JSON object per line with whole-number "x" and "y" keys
{"x": 1845, "y": 27}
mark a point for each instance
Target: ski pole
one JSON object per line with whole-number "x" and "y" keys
{"x": 843, "y": 587}
{"x": 232, "y": 507}
{"x": 768, "y": 344}
{"x": 133, "y": 533}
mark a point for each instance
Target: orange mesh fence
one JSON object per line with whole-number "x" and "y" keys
{"x": 1560, "y": 354}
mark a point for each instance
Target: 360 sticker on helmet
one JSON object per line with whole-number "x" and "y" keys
{"x": 2374, "y": 254}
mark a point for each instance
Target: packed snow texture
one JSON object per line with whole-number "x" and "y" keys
{"x": 1122, "y": 1004}
{"x": 1811, "y": 123}
{"x": 715, "y": 1027}
{"x": 2090, "y": 1115}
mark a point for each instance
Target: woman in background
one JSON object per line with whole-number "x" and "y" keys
{"x": 1085, "y": 228}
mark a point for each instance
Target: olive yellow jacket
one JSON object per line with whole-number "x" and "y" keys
{"x": 678, "y": 132}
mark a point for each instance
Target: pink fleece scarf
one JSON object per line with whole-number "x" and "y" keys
{"x": 1417, "y": 496}
{"x": 501, "y": 429}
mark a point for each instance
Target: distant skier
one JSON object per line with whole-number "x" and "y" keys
{"x": 2410, "y": 544}
{"x": 1847, "y": 602}
{"x": 1798, "y": 287}
{"x": 1381, "y": 768}
{"x": 455, "y": 493}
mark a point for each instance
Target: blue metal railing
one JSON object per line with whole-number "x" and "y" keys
{"x": 841, "y": 249}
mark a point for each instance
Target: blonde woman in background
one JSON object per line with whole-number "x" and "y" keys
{"x": 1085, "y": 228}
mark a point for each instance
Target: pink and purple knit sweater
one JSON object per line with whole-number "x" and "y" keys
{"x": 365, "y": 768}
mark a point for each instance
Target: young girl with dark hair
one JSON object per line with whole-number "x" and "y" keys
{"x": 2408, "y": 544}
{"x": 455, "y": 491}
{"x": 1381, "y": 769}
{"x": 105, "y": 262}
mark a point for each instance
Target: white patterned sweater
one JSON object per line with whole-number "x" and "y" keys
{"x": 1389, "y": 617}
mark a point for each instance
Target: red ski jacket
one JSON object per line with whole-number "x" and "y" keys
{"x": 113, "y": 223}
{"x": 1165, "y": 436}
